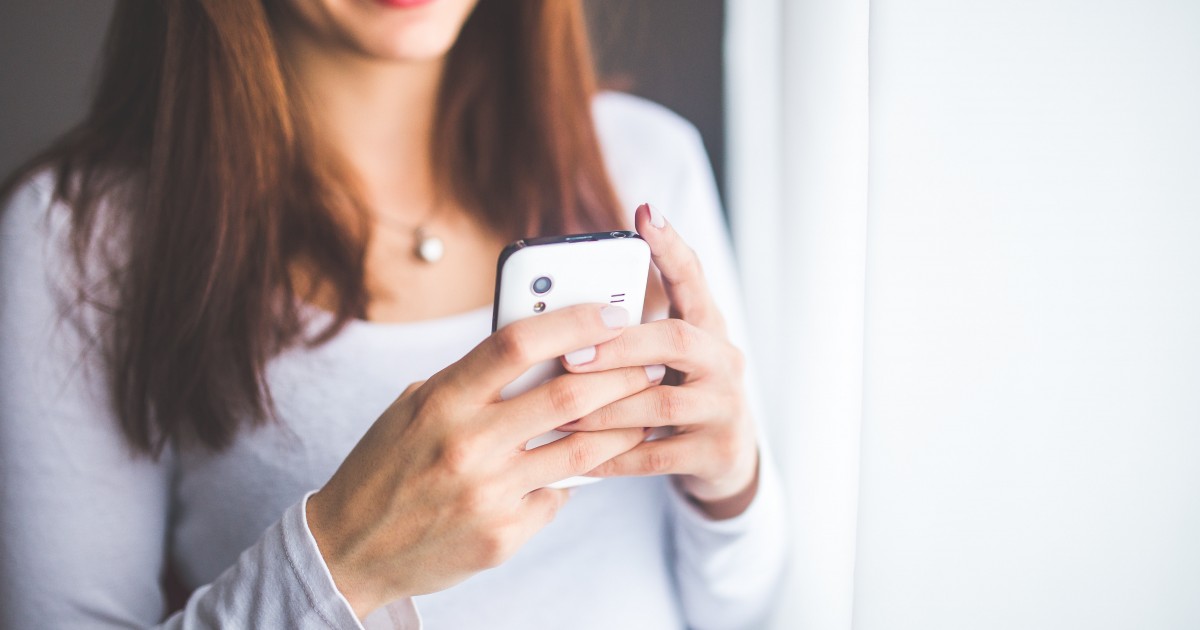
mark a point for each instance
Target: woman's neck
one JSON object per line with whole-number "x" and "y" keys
{"x": 379, "y": 116}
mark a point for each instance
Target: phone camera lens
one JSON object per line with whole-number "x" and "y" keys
{"x": 542, "y": 285}
{"x": 617, "y": 234}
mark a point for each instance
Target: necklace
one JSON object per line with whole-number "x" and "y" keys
{"x": 427, "y": 247}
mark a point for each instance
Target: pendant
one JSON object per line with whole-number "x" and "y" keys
{"x": 429, "y": 248}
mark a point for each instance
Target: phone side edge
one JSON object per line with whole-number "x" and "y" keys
{"x": 505, "y": 254}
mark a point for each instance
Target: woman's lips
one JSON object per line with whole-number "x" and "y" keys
{"x": 402, "y": 4}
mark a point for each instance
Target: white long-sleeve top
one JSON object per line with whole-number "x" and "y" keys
{"x": 87, "y": 527}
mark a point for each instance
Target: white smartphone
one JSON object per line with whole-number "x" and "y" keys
{"x": 539, "y": 275}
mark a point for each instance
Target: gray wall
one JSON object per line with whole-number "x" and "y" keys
{"x": 666, "y": 50}
{"x": 47, "y": 52}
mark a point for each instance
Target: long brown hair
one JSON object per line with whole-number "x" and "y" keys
{"x": 194, "y": 151}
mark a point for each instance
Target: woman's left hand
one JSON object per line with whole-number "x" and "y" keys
{"x": 711, "y": 447}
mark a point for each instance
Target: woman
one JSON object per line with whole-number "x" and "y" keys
{"x": 215, "y": 288}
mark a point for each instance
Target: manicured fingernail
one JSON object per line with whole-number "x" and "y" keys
{"x": 656, "y": 372}
{"x": 614, "y": 317}
{"x": 656, "y": 217}
{"x": 581, "y": 356}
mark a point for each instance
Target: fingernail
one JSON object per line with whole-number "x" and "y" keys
{"x": 614, "y": 317}
{"x": 656, "y": 372}
{"x": 656, "y": 218}
{"x": 582, "y": 355}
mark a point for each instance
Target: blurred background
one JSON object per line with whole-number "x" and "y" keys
{"x": 969, "y": 234}
{"x": 668, "y": 51}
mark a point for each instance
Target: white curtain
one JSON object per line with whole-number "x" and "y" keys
{"x": 797, "y": 138}
{"x": 970, "y": 239}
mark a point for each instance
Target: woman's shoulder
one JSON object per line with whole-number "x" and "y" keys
{"x": 624, "y": 119}
{"x": 38, "y": 246}
{"x": 34, "y": 229}
{"x": 27, "y": 206}
{"x": 652, "y": 153}
{"x": 39, "y": 208}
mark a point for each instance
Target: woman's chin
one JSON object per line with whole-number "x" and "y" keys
{"x": 405, "y": 39}
{"x": 387, "y": 30}
{"x": 402, "y": 4}
{"x": 408, "y": 49}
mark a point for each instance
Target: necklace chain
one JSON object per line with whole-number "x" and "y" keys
{"x": 427, "y": 247}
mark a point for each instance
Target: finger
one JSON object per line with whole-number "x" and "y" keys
{"x": 675, "y": 455}
{"x": 683, "y": 278}
{"x": 563, "y": 399}
{"x": 655, "y": 407}
{"x": 672, "y": 342}
{"x": 575, "y": 455}
{"x": 510, "y": 351}
{"x": 542, "y": 505}
{"x": 538, "y": 509}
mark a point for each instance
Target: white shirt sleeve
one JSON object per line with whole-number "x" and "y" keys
{"x": 728, "y": 570}
{"x": 83, "y": 520}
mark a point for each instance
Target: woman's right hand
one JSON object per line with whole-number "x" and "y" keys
{"x": 441, "y": 486}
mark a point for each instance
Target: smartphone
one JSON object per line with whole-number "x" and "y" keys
{"x": 539, "y": 275}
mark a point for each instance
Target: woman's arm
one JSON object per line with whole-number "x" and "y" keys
{"x": 729, "y": 570}
{"x": 83, "y": 520}
{"x": 725, "y": 500}
{"x": 729, "y": 553}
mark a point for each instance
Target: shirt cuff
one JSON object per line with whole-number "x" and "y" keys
{"x": 729, "y": 569}
{"x": 312, "y": 572}
{"x": 689, "y": 515}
